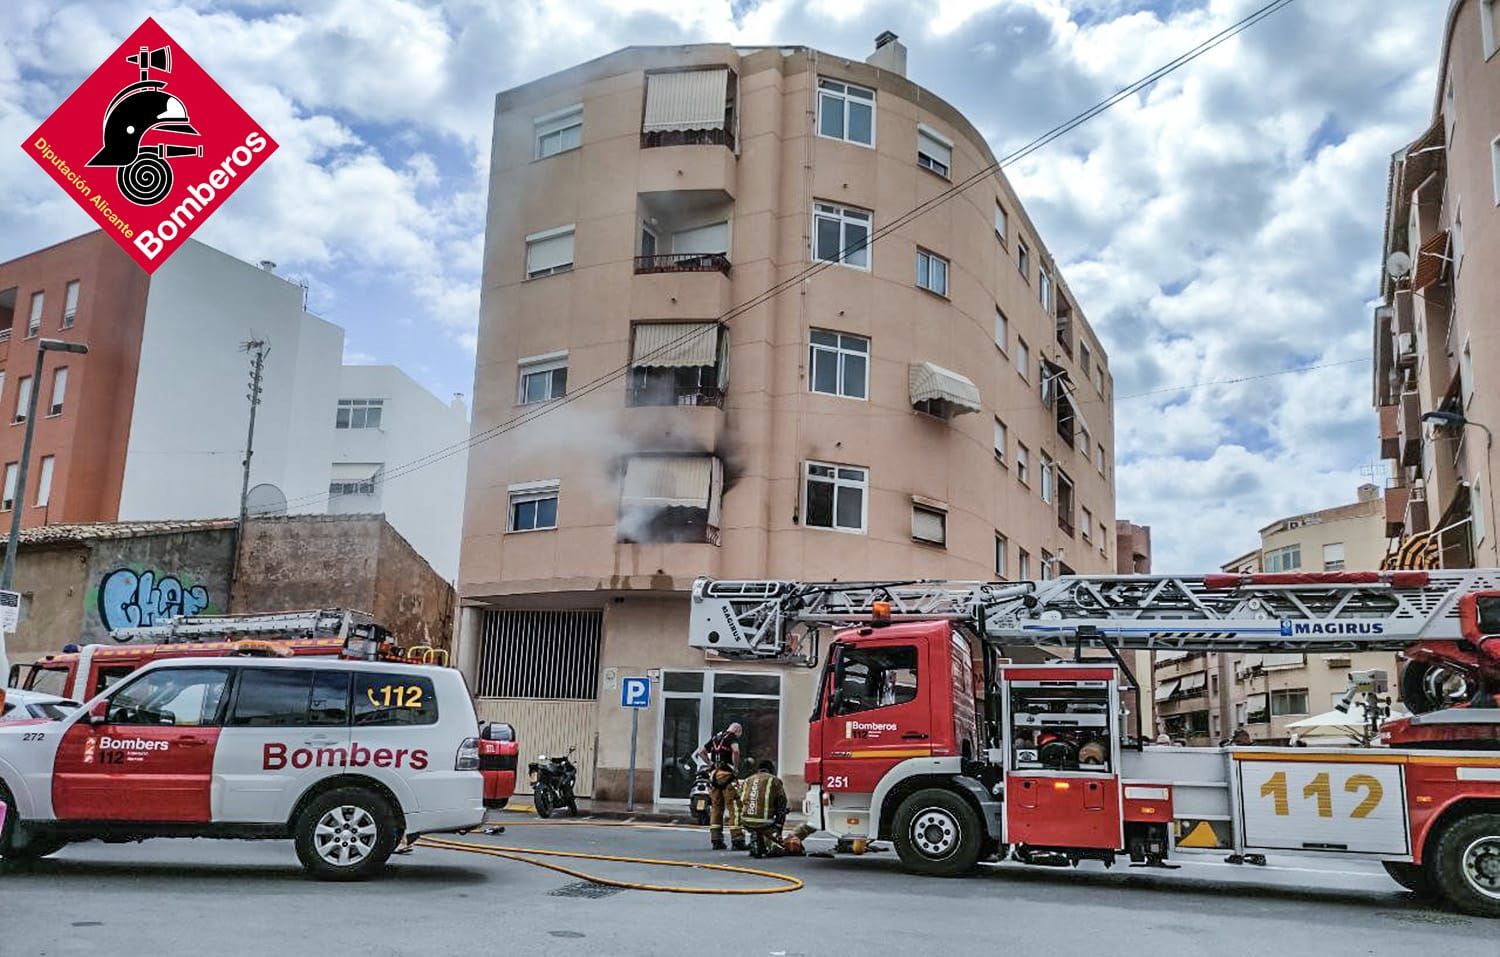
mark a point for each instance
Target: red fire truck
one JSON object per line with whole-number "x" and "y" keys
{"x": 927, "y": 733}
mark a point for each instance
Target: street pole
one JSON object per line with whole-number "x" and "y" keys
{"x": 257, "y": 368}
{"x": 8, "y": 574}
{"x": 635, "y": 720}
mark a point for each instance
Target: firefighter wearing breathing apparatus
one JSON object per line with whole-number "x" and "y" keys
{"x": 763, "y": 813}
{"x": 722, "y": 755}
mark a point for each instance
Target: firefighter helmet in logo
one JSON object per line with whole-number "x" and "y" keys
{"x": 144, "y": 173}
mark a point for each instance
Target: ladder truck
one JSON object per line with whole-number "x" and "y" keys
{"x": 926, "y": 733}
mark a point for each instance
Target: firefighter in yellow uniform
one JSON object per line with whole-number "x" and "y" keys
{"x": 763, "y": 813}
{"x": 722, "y": 754}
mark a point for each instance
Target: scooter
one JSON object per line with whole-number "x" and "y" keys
{"x": 552, "y": 784}
{"x": 698, "y": 797}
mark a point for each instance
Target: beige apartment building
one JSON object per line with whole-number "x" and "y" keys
{"x": 883, "y": 398}
{"x": 1436, "y": 347}
{"x": 1203, "y": 698}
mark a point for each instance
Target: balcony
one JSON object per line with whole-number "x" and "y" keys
{"x": 671, "y": 499}
{"x": 690, "y": 108}
{"x": 1410, "y": 429}
{"x": 683, "y": 231}
{"x": 721, "y": 137}
{"x": 677, "y": 364}
{"x": 682, "y": 262}
{"x": 1390, "y": 435}
{"x": 1418, "y": 519}
{"x": 1064, "y": 324}
{"x": 1396, "y": 498}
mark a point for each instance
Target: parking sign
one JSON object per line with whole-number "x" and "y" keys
{"x": 635, "y": 692}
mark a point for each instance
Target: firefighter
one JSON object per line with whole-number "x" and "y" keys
{"x": 763, "y": 813}
{"x": 722, "y": 755}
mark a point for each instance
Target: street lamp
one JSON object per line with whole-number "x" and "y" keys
{"x": 44, "y": 346}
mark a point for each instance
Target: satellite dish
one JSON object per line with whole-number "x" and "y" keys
{"x": 1398, "y": 264}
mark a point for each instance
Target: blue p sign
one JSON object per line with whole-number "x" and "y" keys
{"x": 635, "y": 692}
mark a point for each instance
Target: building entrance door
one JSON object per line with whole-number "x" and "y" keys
{"x": 697, "y": 705}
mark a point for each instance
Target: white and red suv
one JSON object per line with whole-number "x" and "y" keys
{"x": 342, "y": 756}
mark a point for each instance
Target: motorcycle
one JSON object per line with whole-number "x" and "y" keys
{"x": 698, "y": 799}
{"x": 552, "y": 782}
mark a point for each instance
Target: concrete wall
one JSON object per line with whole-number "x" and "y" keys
{"x": 138, "y": 581}
{"x": 53, "y": 582}
{"x": 411, "y": 598}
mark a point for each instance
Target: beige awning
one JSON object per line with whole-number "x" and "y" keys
{"x": 691, "y": 100}
{"x": 950, "y": 392}
{"x": 1282, "y": 661}
{"x": 1194, "y": 681}
{"x": 354, "y": 471}
{"x": 1255, "y": 702}
{"x": 659, "y": 481}
{"x": 1166, "y": 690}
{"x": 665, "y": 345}
{"x": 1432, "y": 261}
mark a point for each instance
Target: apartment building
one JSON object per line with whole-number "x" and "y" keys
{"x": 931, "y": 403}
{"x": 150, "y": 423}
{"x": 1435, "y": 347}
{"x": 1203, "y": 698}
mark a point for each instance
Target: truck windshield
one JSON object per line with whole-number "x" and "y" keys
{"x": 49, "y": 680}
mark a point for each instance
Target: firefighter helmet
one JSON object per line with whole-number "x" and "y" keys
{"x": 136, "y": 110}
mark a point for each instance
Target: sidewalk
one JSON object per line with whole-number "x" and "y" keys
{"x": 645, "y": 812}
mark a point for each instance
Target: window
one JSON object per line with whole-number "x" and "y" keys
{"x": 841, "y": 234}
{"x": 1064, "y": 502}
{"x": 934, "y": 151}
{"x": 929, "y": 524}
{"x": 1476, "y": 512}
{"x": 846, "y": 112}
{"x": 8, "y": 496}
{"x": 180, "y": 697}
{"x": 44, "y": 484}
{"x": 868, "y": 678}
{"x": 1002, "y": 330}
{"x": 1103, "y": 539}
{"x": 1289, "y": 701}
{"x": 59, "y": 390}
{"x": 1023, "y": 357}
{"x": 932, "y": 272}
{"x": 539, "y": 654}
{"x": 1001, "y": 221}
{"x": 1487, "y": 19}
{"x": 533, "y": 506}
{"x": 1495, "y": 166}
{"x": 1284, "y": 559}
{"x": 542, "y": 379}
{"x": 1046, "y": 482}
{"x": 353, "y": 479}
{"x": 839, "y": 364}
{"x": 1099, "y": 378}
{"x": 1458, "y": 240}
{"x": 1000, "y": 546}
{"x": 1047, "y": 563}
{"x": 1084, "y": 358}
{"x": 999, "y": 441}
{"x": 1022, "y": 464}
{"x": 834, "y": 497}
{"x": 1099, "y": 456}
{"x": 290, "y": 698}
{"x": 1086, "y": 524}
{"x": 1044, "y": 290}
{"x": 1023, "y": 260}
{"x": 1085, "y": 443}
{"x": 34, "y": 324}
{"x": 1333, "y": 557}
{"x": 677, "y": 363}
{"x": 358, "y": 414}
{"x": 559, "y": 132}
{"x": 70, "y": 304}
{"x": 549, "y": 251}
{"x": 23, "y": 398}
{"x": 394, "y": 698}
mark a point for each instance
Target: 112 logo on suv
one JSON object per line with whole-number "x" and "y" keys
{"x": 128, "y": 150}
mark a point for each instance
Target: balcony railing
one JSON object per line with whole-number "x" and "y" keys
{"x": 683, "y": 262}
{"x": 5, "y": 334}
{"x": 719, "y": 137}
{"x": 693, "y": 396}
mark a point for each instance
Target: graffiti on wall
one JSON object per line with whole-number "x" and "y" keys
{"x": 130, "y": 598}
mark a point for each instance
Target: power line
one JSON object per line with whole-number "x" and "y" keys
{"x": 808, "y": 272}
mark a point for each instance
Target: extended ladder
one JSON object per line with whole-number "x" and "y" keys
{"x": 1294, "y": 612}
{"x": 315, "y": 623}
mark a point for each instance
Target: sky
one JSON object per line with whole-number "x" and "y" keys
{"x": 1224, "y": 224}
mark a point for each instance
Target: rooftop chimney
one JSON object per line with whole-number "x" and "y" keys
{"x": 889, "y": 55}
{"x": 267, "y": 265}
{"x": 1368, "y": 492}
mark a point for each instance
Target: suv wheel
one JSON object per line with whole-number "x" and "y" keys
{"x": 346, "y": 834}
{"x": 17, "y": 843}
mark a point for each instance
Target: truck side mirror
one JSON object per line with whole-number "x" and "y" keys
{"x": 98, "y": 713}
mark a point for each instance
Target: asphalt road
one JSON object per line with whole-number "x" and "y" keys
{"x": 197, "y": 898}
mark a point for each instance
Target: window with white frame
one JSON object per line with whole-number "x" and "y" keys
{"x": 34, "y": 323}
{"x": 1023, "y": 564}
{"x": 1085, "y": 443}
{"x": 1085, "y": 358}
{"x": 1002, "y": 221}
{"x": 8, "y": 497}
{"x": 1044, "y": 290}
{"x": 59, "y": 390}
{"x": 542, "y": 378}
{"x": 1099, "y": 378}
{"x": 929, "y": 524}
{"x": 533, "y": 506}
{"x": 1458, "y": 239}
{"x": 70, "y": 304}
{"x": 359, "y": 414}
{"x": 1286, "y": 559}
{"x": 1023, "y": 259}
{"x": 23, "y": 398}
{"x": 1001, "y": 546}
{"x": 999, "y": 441}
{"x": 1466, "y": 374}
{"x": 1488, "y": 19}
{"x": 1002, "y": 330}
{"x": 932, "y": 272}
{"x": 934, "y": 151}
{"x": 1099, "y": 456}
{"x": 1333, "y": 557}
{"x": 549, "y": 251}
{"x": 839, "y": 364}
{"x": 846, "y": 112}
{"x": 559, "y": 132}
{"x": 1045, "y": 485}
{"x": 841, "y": 234}
{"x": 1495, "y": 166}
{"x": 1023, "y": 464}
{"x": 44, "y": 482}
{"x": 353, "y": 486}
{"x": 1023, "y": 358}
{"x": 1047, "y": 563}
{"x": 834, "y": 497}
{"x": 1086, "y": 523}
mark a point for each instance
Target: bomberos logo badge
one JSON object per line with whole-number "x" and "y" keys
{"x": 149, "y": 145}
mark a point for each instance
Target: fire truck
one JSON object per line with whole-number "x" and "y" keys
{"x": 927, "y": 732}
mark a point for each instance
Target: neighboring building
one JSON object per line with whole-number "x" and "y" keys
{"x": 1266, "y": 692}
{"x": 1435, "y": 347}
{"x": 80, "y": 582}
{"x": 1133, "y": 557}
{"x": 150, "y": 424}
{"x": 934, "y": 406}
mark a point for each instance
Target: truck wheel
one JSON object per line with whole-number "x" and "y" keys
{"x": 936, "y": 832}
{"x": 1465, "y": 864}
{"x": 346, "y": 834}
{"x": 1413, "y": 877}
